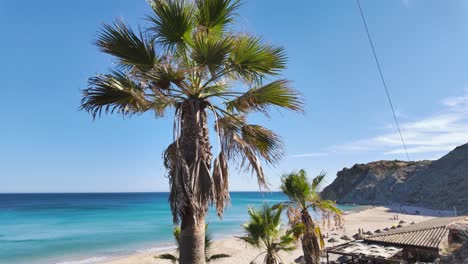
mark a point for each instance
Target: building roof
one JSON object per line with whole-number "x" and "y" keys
{"x": 357, "y": 248}
{"x": 426, "y": 234}
{"x": 459, "y": 225}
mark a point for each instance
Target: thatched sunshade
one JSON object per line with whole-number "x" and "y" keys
{"x": 345, "y": 237}
{"x": 393, "y": 227}
{"x": 300, "y": 260}
{"x": 357, "y": 236}
{"x": 378, "y": 231}
{"x": 398, "y": 226}
{"x": 369, "y": 233}
{"x": 343, "y": 259}
{"x": 402, "y": 222}
{"x": 333, "y": 240}
{"x": 412, "y": 223}
{"x": 386, "y": 229}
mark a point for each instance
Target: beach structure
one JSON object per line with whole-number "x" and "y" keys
{"x": 418, "y": 242}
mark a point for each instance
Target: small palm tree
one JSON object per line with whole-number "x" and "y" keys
{"x": 304, "y": 195}
{"x": 208, "y": 244}
{"x": 190, "y": 64}
{"x": 263, "y": 231}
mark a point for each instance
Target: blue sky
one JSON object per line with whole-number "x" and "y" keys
{"x": 47, "y": 145}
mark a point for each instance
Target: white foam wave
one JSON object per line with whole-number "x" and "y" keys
{"x": 92, "y": 260}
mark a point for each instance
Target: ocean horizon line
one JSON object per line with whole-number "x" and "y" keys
{"x": 132, "y": 192}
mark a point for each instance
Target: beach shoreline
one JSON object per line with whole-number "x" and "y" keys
{"x": 367, "y": 217}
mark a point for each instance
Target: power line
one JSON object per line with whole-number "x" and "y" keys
{"x": 383, "y": 79}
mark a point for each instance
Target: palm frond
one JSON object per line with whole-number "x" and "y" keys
{"x": 264, "y": 231}
{"x": 176, "y": 235}
{"x": 318, "y": 234}
{"x": 129, "y": 48}
{"x": 169, "y": 257}
{"x": 220, "y": 183}
{"x": 217, "y": 256}
{"x": 172, "y": 22}
{"x": 162, "y": 76}
{"x": 264, "y": 141}
{"x": 277, "y": 93}
{"x": 211, "y": 51}
{"x": 247, "y": 150}
{"x": 252, "y": 59}
{"x": 214, "y": 16}
{"x": 317, "y": 181}
{"x": 112, "y": 92}
{"x": 296, "y": 186}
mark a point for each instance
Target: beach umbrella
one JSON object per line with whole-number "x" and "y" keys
{"x": 343, "y": 259}
{"x": 345, "y": 237}
{"x": 402, "y": 222}
{"x": 369, "y": 233}
{"x": 357, "y": 236}
{"x": 378, "y": 231}
{"x": 386, "y": 229}
{"x": 398, "y": 226}
{"x": 300, "y": 260}
{"x": 393, "y": 227}
{"x": 333, "y": 240}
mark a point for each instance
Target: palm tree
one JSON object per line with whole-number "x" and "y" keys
{"x": 263, "y": 231}
{"x": 189, "y": 60}
{"x": 303, "y": 195}
{"x": 208, "y": 244}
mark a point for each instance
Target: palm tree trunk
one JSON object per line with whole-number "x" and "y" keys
{"x": 270, "y": 259}
{"x": 192, "y": 239}
{"x": 196, "y": 151}
{"x": 310, "y": 245}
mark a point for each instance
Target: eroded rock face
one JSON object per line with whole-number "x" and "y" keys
{"x": 439, "y": 184}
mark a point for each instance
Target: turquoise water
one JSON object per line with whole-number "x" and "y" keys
{"x": 84, "y": 228}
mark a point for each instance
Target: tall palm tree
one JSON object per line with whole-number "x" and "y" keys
{"x": 208, "y": 243}
{"x": 303, "y": 196}
{"x": 190, "y": 61}
{"x": 264, "y": 232}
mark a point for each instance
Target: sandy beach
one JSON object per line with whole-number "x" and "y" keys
{"x": 369, "y": 219}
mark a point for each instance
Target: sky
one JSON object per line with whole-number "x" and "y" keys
{"x": 48, "y": 145}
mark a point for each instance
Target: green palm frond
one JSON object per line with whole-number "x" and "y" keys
{"x": 172, "y": 22}
{"x": 214, "y": 16}
{"x": 129, "y": 48}
{"x": 277, "y": 93}
{"x": 112, "y": 92}
{"x": 264, "y": 231}
{"x": 296, "y": 187}
{"x": 173, "y": 259}
{"x": 265, "y": 142}
{"x": 217, "y": 257}
{"x": 176, "y": 235}
{"x": 210, "y": 51}
{"x": 162, "y": 76}
{"x": 252, "y": 59}
{"x": 303, "y": 196}
{"x": 317, "y": 181}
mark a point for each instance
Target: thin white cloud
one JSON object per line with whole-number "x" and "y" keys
{"x": 309, "y": 155}
{"x": 438, "y": 133}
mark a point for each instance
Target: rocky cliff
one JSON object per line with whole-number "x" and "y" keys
{"x": 439, "y": 184}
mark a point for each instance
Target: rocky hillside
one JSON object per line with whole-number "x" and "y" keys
{"x": 439, "y": 184}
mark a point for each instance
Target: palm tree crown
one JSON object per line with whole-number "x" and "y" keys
{"x": 188, "y": 60}
{"x": 264, "y": 232}
{"x": 304, "y": 195}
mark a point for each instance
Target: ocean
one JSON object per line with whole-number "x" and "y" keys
{"x": 86, "y": 228}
